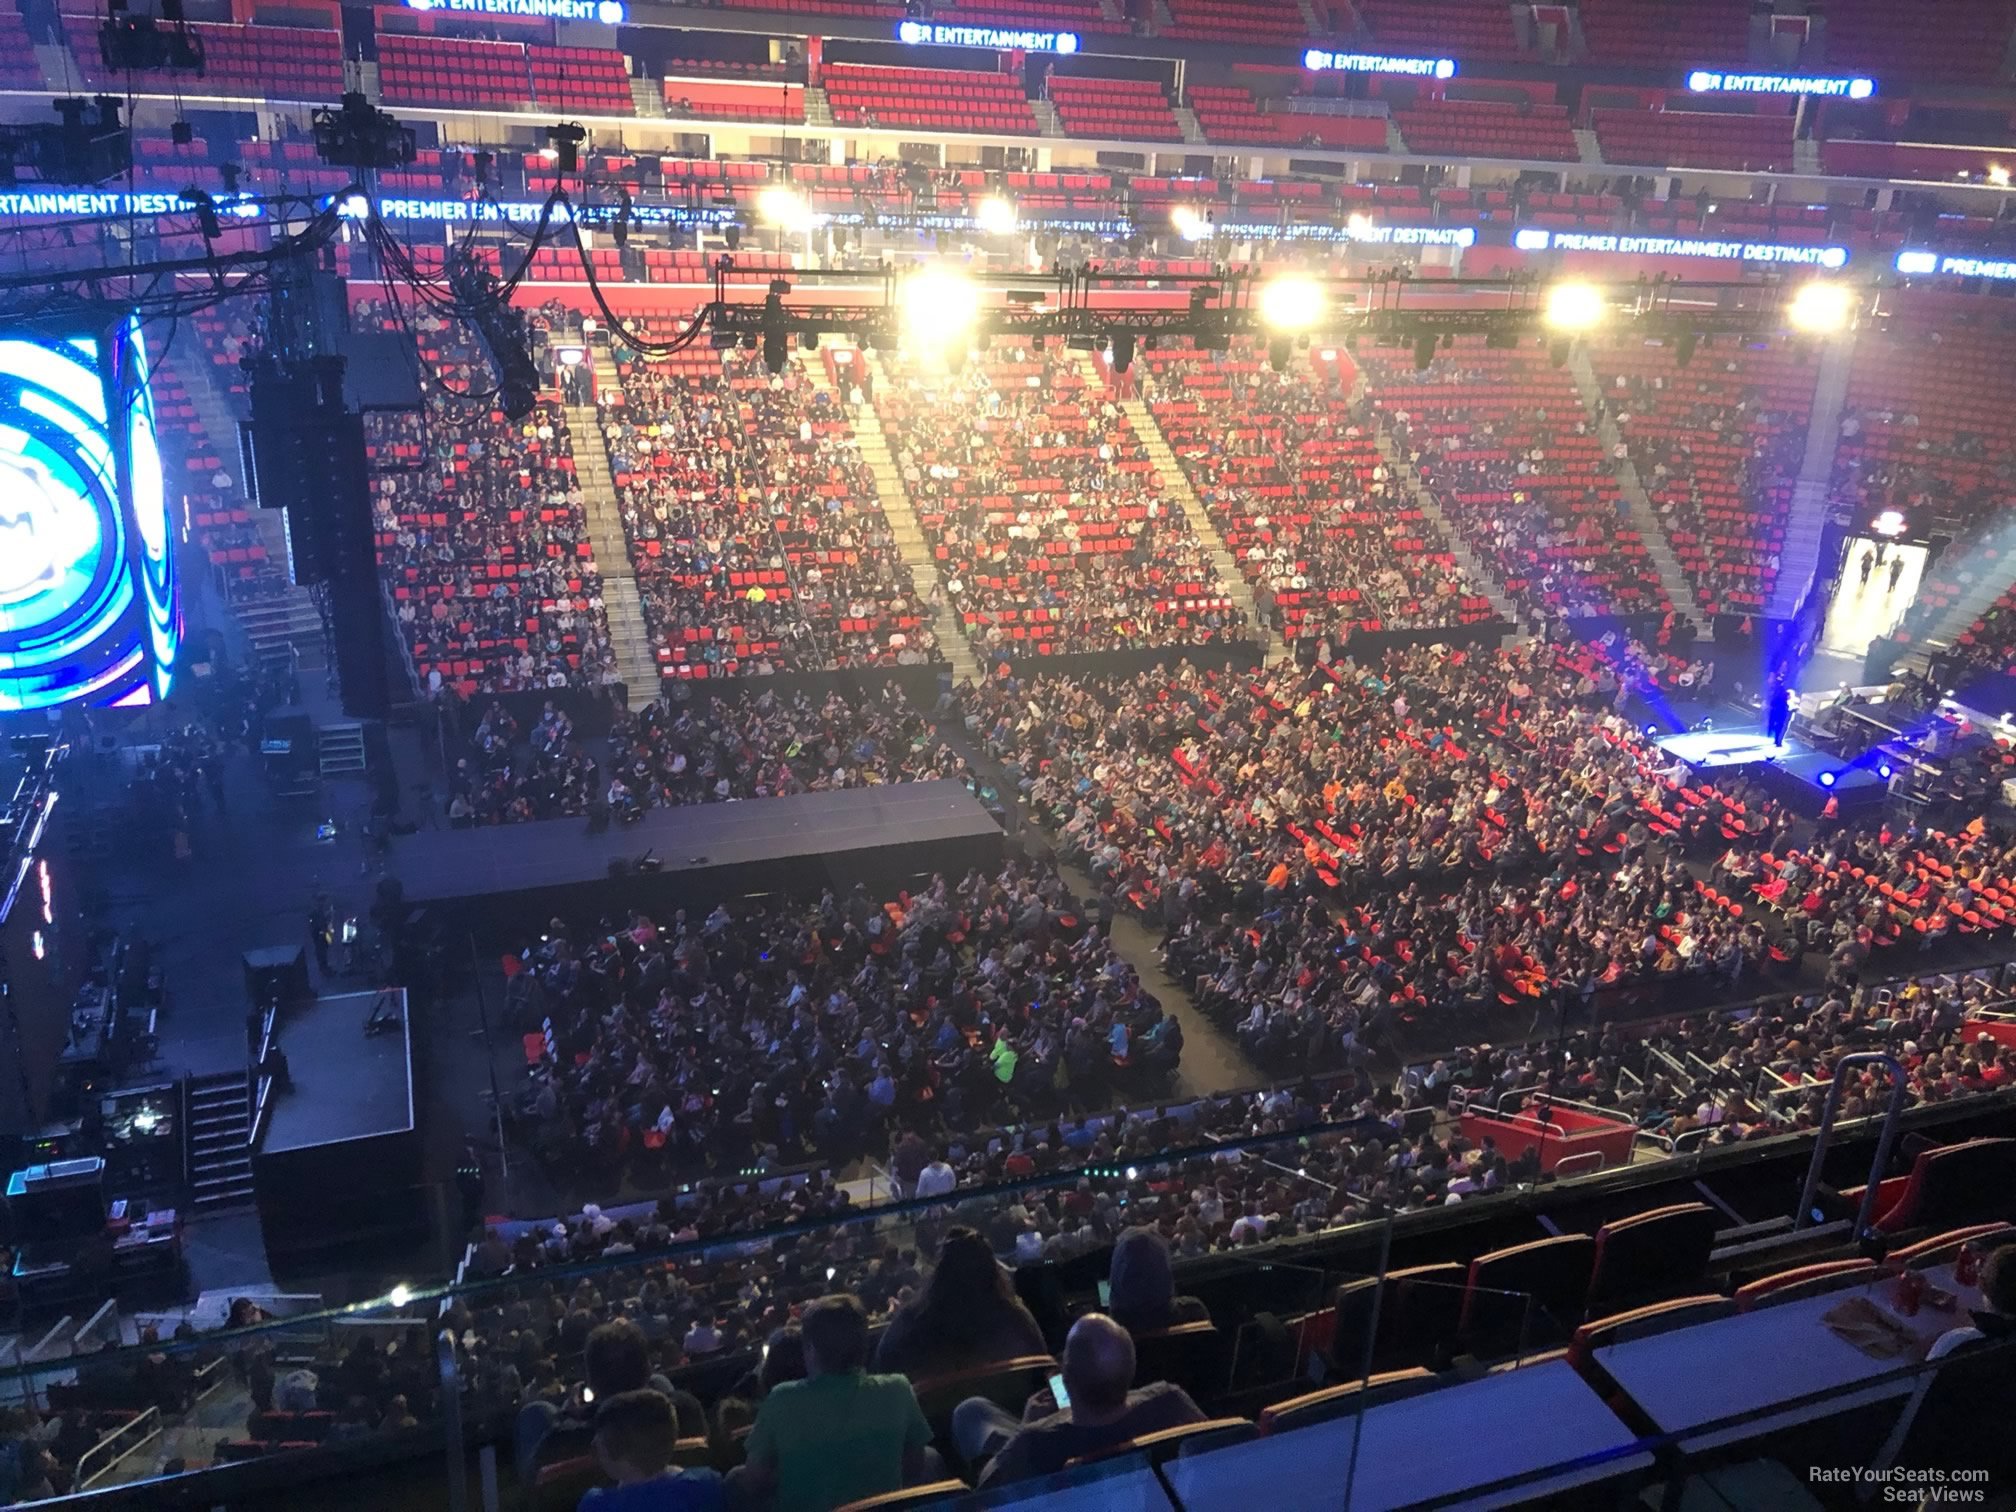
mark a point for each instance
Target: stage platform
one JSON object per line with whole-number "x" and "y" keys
{"x": 1792, "y": 772}
{"x": 338, "y": 1161}
{"x": 503, "y": 875}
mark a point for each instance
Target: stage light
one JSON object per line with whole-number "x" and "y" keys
{"x": 1574, "y": 307}
{"x": 1189, "y": 223}
{"x": 782, "y": 206}
{"x": 399, "y": 1296}
{"x": 1884, "y": 771}
{"x": 1819, "y": 309}
{"x": 994, "y": 215}
{"x": 939, "y": 306}
{"x": 1827, "y": 779}
{"x": 1293, "y": 302}
{"x": 1998, "y": 175}
{"x": 1651, "y": 732}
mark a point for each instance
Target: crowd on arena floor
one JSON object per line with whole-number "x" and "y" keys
{"x": 750, "y": 743}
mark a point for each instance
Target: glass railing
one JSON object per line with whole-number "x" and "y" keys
{"x": 84, "y": 1408}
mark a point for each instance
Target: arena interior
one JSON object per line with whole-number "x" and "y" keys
{"x": 1242, "y": 754}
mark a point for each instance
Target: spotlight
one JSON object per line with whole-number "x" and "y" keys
{"x": 995, "y": 215}
{"x": 1574, "y": 307}
{"x": 939, "y": 304}
{"x": 783, "y": 207}
{"x": 1884, "y": 770}
{"x": 1820, "y": 309}
{"x": 1998, "y": 175}
{"x": 1189, "y": 223}
{"x": 1651, "y": 732}
{"x": 1827, "y": 779}
{"x": 1293, "y": 302}
{"x": 1123, "y": 351}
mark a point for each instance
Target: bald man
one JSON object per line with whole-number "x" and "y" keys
{"x": 1098, "y": 1372}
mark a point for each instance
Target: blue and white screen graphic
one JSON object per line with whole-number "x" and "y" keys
{"x": 87, "y": 560}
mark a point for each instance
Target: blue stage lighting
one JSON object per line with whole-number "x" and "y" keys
{"x": 1827, "y": 779}
{"x": 1651, "y": 732}
{"x": 88, "y": 607}
{"x": 1884, "y": 771}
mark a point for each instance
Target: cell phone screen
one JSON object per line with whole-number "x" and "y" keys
{"x": 1105, "y": 1293}
{"x": 1058, "y": 1394}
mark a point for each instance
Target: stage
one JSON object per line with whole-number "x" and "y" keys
{"x": 1794, "y": 773}
{"x": 338, "y": 1159}
{"x": 506, "y": 876}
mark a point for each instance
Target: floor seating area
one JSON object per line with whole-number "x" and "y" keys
{"x": 753, "y": 524}
{"x": 1300, "y": 497}
{"x": 1053, "y": 533}
{"x": 943, "y": 99}
{"x": 1667, "y": 34}
{"x": 1695, "y": 138}
{"x": 1717, "y": 444}
{"x": 1461, "y": 29}
{"x": 1228, "y": 113}
{"x": 1132, "y": 108}
{"x": 1487, "y": 128}
{"x": 1504, "y": 443}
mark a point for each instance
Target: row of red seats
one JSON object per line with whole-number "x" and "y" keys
{"x": 1134, "y": 108}
{"x": 1488, "y": 128}
{"x": 1695, "y": 138}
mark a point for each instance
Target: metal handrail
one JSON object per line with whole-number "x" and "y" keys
{"x": 150, "y": 1419}
{"x": 1825, "y": 1134}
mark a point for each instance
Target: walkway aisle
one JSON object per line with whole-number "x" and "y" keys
{"x": 1212, "y": 1060}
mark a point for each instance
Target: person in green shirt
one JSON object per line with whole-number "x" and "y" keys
{"x": 838, "y": 1435}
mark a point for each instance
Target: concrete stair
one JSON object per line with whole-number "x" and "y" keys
{"x": 1975, "y": 597}
{"x": 649, "y": 97}
{"x": 1047, "y": 123}
{"x": 1159, "y": 14}
{"x": 1643, "y": 518}
{"x": 1176, "y": 487}
{"x": 1585, "y": 144}
{"x": 1806, "y": 526}
{"x": 902, "y": 517}
{"x": 220, "y": 1141}
{"x": 1192, "y": 130}
{"x": 629, "y": 631}
{"x": 58, "y": 68}
{"x": 818, "y": 109}
{"x": 1394, "y": 141}
{"x": 1806, "y": 156}
{"x": 339, "y": 749}
{"x": 1111, "y": 10}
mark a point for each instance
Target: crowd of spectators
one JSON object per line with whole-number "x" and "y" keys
{"x": 684, "y": 748}
{"x": 1053, "y": 533}
{"x": 481, "y": 533}
{"x": 782, "y": 1028}
{"x": 1296, "y": 487}
{"x": 1505, "y": 443}
{"x": 754, "y": 524}
{"x": 1717, "y": 445}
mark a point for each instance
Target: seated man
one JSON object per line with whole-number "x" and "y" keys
{"x": 635, "y": 1435}
{"x": 1098, "y": 1369}
{"x": 615, "y": 1359}
{"x": 840, "y": 1434}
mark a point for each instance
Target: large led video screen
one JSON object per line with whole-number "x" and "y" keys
{"x": 88, "y": 609}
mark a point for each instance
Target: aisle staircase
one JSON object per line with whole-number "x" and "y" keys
{"x": 622, "y": 604}
{"x": 1176, "y": 487}
{"x": 220, "y": 1140}
{"x": 1806, "y": 525}
{"x": 1644, "y": 519}
{"x": 339, "y": 750}
{"x": 902, "y": 518}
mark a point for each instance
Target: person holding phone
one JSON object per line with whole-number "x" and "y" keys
{"x": 1088, "y": 1407}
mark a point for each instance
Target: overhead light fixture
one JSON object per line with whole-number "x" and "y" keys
{"x": 1292, "y": 302}
{"x": 784, "y": 207}
{"x": 995, "y": 215}
{"x": 1574, "y": 307}
{"x": 1189, "y": 222}
{"x": 939, "y": 304}
{"x": 1820, "y": 309}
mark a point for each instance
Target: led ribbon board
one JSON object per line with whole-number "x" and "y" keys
{"x": 1000, "y": 38}
{"x": 1786, "y": 254}
{"x": 1318, "y": 60}
{"x": 1997, "y": 269}
{"x": 1374, "y": 236}
{"x": 1711, "y": 81}
{"x": 608, "y": 12}
{"x": 88, "y": 608}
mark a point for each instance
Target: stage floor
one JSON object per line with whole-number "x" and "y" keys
{"x": 1708, "y": 749}
{"x": 347, "y": 1084}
